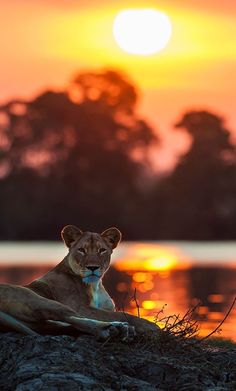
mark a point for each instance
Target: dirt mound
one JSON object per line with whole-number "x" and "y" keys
{"x": 81, "y": 363}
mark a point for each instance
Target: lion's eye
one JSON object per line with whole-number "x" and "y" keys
{"x": 102, "y": 250}
{"x": 81, "y": 250}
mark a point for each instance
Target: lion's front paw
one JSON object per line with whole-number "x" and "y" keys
{"x": 118, "y": 329}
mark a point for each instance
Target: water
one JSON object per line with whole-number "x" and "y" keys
{"x": 174, "y": 275}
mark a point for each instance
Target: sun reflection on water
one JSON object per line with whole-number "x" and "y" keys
{"x": 152, "y": 258}
{"x": 162, "y": 277}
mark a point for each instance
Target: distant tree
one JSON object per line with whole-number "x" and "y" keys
{"x": 111, "y": 89}
{"x": 73, "y": 157}
{"x": 197, "y": 201}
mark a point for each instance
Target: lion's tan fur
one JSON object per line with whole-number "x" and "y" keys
{"x": 72, "y": 292}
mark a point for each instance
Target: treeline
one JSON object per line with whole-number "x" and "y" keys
{"x": 81, "y": 156}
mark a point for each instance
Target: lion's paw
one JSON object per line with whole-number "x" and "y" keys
{"x": 118, "y": 329}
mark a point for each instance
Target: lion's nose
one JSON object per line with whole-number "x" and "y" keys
{"x": 92, "y": 268}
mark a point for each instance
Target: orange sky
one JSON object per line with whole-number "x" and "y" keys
{"x": 43, "y": 43}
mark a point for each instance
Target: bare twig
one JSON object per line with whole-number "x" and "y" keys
{"x": 134, "y": 298}
{"x": 188, "y": 316}
{"x": 181, "y": 327}
{"x": 157, "y": 314}
{"x": 220, "y": 324}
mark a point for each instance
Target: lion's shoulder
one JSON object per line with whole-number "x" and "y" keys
{"x": 41, "y": 288}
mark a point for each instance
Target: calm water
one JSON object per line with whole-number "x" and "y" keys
{"x": 177, "y": 275}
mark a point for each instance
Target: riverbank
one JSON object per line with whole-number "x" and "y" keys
{"x": 162, "y": 362}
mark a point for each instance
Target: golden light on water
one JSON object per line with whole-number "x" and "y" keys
{"x": 149, "y": 304}
{"x": 203, "y": 310}
{"x": 143, "y": 287}
{"x": 164, "y": 262}
{"x": 148, "y": 257}
{"x": 157, "y": 288}
{"x": 140, "y": 277}
{"x": 214, "y": 315}
{"x": 142, "y": 31}
{"x": 216, "y": 298}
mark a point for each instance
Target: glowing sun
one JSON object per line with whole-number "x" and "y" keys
{"x": 142, "y": 31}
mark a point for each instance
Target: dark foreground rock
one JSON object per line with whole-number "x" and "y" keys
{"x": 61, "y": 363}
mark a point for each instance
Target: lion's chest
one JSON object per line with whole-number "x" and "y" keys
{"x": 100, "y": 299}
{"x": 96, "y": 300}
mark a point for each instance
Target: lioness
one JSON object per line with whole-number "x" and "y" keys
{"x": 72, "y": 295}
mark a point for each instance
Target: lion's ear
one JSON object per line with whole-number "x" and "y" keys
{"x": 112, "y": 236}
{"x": 70, "y": 234}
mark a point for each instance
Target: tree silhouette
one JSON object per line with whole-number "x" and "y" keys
{"x": 197, "y": 201}
{"x": 73, "y": 160}
{"x": 111, "y": 89}
{"x": 82, "y": 156}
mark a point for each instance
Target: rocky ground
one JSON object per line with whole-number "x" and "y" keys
{"x": 61, "y": 363}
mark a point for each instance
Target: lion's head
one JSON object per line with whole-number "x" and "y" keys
{"x": 89, "y": 252}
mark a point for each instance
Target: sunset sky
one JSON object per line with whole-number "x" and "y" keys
{"x": 44, "y": 42}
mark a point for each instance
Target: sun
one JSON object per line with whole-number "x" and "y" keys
{"x": 142, "y": 31}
